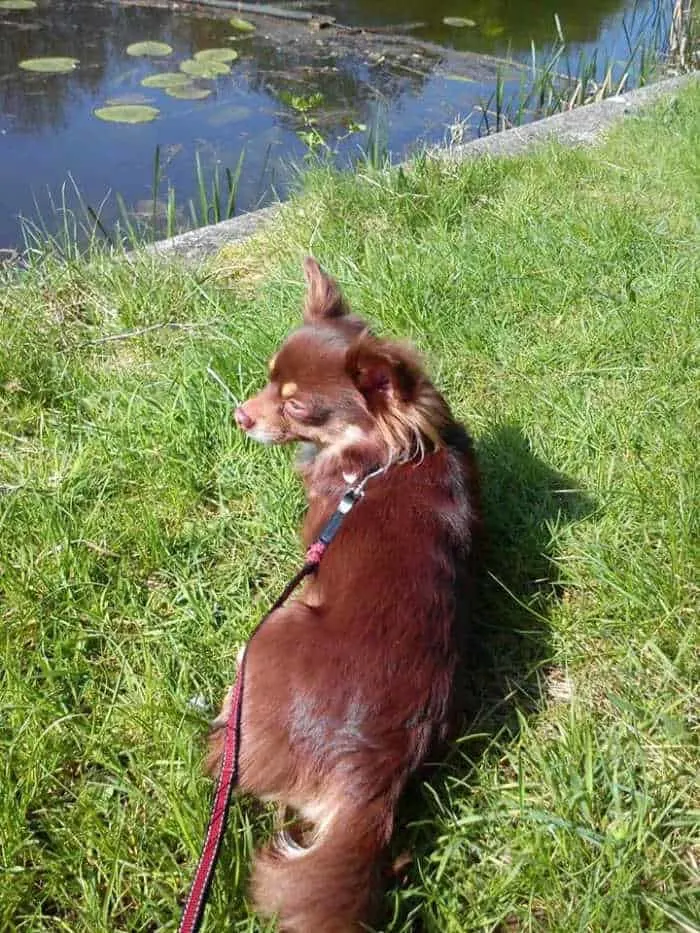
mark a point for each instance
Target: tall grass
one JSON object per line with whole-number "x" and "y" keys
{"x": 656, "y": 40}
{"x": 214, "y": 200}
{"x": 684, "y": 53}
{"x": 73, "y": 227}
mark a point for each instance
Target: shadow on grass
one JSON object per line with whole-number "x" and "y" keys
{"x": 506, "y": 646}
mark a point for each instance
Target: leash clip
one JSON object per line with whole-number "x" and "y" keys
{"x": 350, "y": 498}
{"x": 359, "y": 490}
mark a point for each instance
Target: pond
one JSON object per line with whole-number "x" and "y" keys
{"x": 362, "y": 75}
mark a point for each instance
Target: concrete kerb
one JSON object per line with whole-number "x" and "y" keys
{"x": 583, "y": 126}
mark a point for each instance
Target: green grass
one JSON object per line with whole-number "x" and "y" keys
{"x": 556, "y": 297}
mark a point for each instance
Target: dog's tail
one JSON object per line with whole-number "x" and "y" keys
{"x": 333, "y": 884}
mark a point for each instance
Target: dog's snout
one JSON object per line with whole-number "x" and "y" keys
{"x": 243, "y": 419}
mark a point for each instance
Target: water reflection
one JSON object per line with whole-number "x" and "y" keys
{"x": 347, "y": 82}
{"x": 95, "y": 33}
{"x": 515, "y": 22}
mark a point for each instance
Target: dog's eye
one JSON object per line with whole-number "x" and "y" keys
{"x": 295, "y": 408}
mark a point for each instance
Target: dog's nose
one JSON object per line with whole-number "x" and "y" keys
{"x": 243, "y": 419}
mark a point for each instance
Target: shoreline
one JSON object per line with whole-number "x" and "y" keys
{"x": 583, "y": 126}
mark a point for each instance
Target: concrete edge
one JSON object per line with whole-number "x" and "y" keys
{"x": 580, "y": 127}
{"x": 198, "y": 245}
{"x": 583, "y": 126}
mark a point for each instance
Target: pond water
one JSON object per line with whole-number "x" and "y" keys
{"x": 291, "y": 86}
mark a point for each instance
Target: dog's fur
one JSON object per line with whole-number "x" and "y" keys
{"x": 349, "y": 686}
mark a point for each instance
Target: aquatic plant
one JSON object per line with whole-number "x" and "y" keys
{"x": 216, "y": 55}
{"x": 188, "y": 92}
{"x": 556, "y": 82}
{"x": 215, "y": 200}
{"x": 303, "y": 105}
{"x": 242, "y": 25}
{"x": 683, "y": 49}
{"x": 17, "y": 5}
{"x": 49, "y": 65}
{"x": 215, "y": 203}
{"x": 127, "y": 113}
{"x": 204, "y": 69}
{"x": 149, "y": 49}
{"x": 458, "y": 22}
{"x": 167, "y": 79}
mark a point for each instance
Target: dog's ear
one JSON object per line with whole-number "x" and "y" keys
{"x": 324, "y": 301}
{"x": 384, "y": 372}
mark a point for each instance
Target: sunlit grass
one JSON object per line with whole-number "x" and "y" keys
{"x": 555, "y": 297}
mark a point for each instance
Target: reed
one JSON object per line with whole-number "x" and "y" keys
{"x": 658, "y": 40}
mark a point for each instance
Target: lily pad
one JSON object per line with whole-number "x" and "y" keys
{"x": 204, "y": 69}
{"x": 166, "y": 79}
{"x": 216, "y": 55}
{"x": 126, "y": 99}
{"x": 49, "y": 65}
{"x": 188, "y": 92}
{"x": 459, "y": 22}
{"x": 242, "y": 25}
{"x": 150, "y": 49}
{"x": 127, "y": 113}
{"x": 17, "y": 5}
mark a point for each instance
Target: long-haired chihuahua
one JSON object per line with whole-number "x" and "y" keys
{"x": 349, "y": 686}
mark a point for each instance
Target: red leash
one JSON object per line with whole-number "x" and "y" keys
{"x": 193, "y": 910}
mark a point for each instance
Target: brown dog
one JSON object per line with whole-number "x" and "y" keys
{"x": 349, "y": 686}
